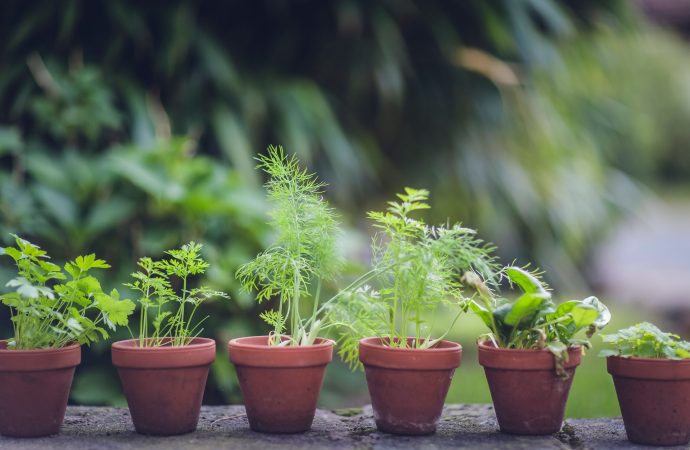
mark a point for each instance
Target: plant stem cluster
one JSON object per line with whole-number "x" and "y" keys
{"x": 173, "y": 309}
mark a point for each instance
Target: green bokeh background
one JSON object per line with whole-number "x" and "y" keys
{"x": 127, "y": 128}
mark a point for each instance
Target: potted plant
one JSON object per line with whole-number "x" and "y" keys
{"x": 531, "y": 352}
{"x": 280, "y": 374}
{"x": 408, "y": 365}
{"x": 651, "y": 372}
{"x": 54, "y": 311}
{"x": 164, "y": 371}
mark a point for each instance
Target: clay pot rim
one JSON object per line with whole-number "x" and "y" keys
{"x": 372, "y": 353}
{"x": 40, "y": 359}
{"x": 493, "y": 357}
{"x": 650, "y": 360}
{"x": 240, "y": 343}
{"x": 128, "y": 355}
{"x": 648, "y": 368}
{"x": 129, "y": 345}
{"x": 36, "y": 351}
{"x": 376, "y": 343}
{"x": 262, "y": 355}
{"x": 489, "y": 346}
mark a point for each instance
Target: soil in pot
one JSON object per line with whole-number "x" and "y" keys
{"x": 34, "y": 388}
{"x": 164, "y": 386}
{"x": 408, "y": 387}
{"x": 654, "y": 397}
{"x": 280, "y": 385}
{"x": 528, "y": 396}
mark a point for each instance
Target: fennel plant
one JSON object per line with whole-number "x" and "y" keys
{"x": 51, "y": 310}
{"x": 173, "y": 310}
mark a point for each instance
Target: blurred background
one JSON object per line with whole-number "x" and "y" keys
{"x": 559, "y": 129}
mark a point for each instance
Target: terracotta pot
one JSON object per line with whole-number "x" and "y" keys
{"x": 408, "y": 386}
{"x": 654, "y": 396}
{"x": 164, "y": 386}
{"x": 280, "y": 385}
{"x": 529, "y": 397}
{"x": 34, "y": 388}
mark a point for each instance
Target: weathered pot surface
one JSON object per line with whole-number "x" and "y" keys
{"x": 164, "y": 386}
{"x": 280, "y": 385}
{"x": 408, "y": 386}
{"x": 528, "y": 396}
{"x": 654, "y": 397}
{"x": 34, "y": 389}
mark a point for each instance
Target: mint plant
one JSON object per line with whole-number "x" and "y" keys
{"x": 534, "y": 320}
{"x": 645, "y": 340}
{"x": 52, "y": 307}
{"x": 167, "y": 313}
{"x": 416, "y": 271}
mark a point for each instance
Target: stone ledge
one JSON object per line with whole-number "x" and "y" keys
{"x": 220, "y": 427}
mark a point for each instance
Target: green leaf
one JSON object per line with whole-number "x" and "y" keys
{"x": 13, "y": 253}
{"x": 115, "y": 312}
{"x": 526, "y": 307}
{"x": 527, "y": 281}
{"x": 28, "y": 290}
{"x": 482, "y": 313}
{"x": 583, "y": 315}
{"x": 158, "y": 320}
{"x": 604, "y": 315}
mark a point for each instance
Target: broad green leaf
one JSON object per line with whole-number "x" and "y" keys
{"x": 583, "y": 315}
{"x": 526, "y": 280}
{"x": 115, "y": 312}
{"x": 604, "y": 315}
{"x": 13, "y": 253}
{"x": 481, "y": 312}
{"x": 526, "y": 307}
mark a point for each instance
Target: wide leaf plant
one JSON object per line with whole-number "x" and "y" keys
{"x": 533, "y": 320}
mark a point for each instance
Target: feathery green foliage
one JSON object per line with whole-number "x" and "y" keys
{"x": 171, "y": 324}
{"x": 533, "y": 320}
{"x": 645, "y": 340}
{"x": 50, "y": 312}
{"x": 303, "y": 255}
{"x": 417, "y": 269}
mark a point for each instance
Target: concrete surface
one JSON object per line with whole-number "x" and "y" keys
{"x": 225, "y": 427}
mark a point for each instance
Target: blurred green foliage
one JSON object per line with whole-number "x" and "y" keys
{"x": 128, "y": 127}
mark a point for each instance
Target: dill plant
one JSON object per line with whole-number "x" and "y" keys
{"x": 52, "y": 307}
{"x": 172, "y": 310}
{"x": 416, "y": 271}
{"x": 303, "y": 256}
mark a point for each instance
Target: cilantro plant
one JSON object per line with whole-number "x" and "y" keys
{"x": 172, "y": 309}
{"x": 645, "y": 340}
{"x": 533, "y": 320}
{"x": 417, "y": 270}
{"x": 52, "y": 307}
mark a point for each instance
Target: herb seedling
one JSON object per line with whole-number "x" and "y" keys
{"x": 417, "y": 269}
{"x": 172, "y": 324}
{"x": 47, "y": 311}
{"x": 645, "y": 340}
{"x": 533, "y": 320}
{"x": 303, "y": 256}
